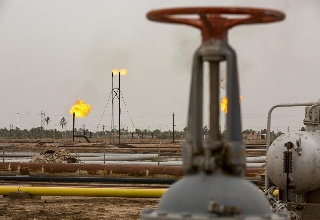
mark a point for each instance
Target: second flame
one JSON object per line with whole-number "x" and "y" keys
{"x": 80, "y": 109}
{"x": 224, "y": 103}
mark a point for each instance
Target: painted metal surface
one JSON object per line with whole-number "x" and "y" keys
{"x": 269, "y": 127}
{"x": 211, "y": 21}
{"x": 79, "y": 191}
{"x": 84, "y": 191}
{"x": 306, "y": 161}
{"x": 213, "y": 187}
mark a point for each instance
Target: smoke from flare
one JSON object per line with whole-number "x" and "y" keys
{"x": 80, "y": 109}
{"x": 224, "y": 104}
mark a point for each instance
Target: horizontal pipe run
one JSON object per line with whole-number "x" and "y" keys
{"x": 259, "y": 159}
{"x": 57, "y": 169}
{"x": 123, "y": 156}
{"x": 256, "y": 150}
{"x": 107, "y": 170}
{"x": 92, "y": 192}
{"x": 55, "y": 180}
{"x": 108, "y": 180}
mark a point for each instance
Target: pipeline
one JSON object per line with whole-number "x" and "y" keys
{"x": 92, "y": 192}
{"x": 85, "y": 137}
{"x": 108, "y": 170}
{"x": 55, "y": 169}
{"x": 165, "y": 181}
{"x": 112, "y": 180}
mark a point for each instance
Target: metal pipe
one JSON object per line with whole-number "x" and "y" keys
{"x": 234, "y": 138}
{"x": 52, "y": 169}
{"x": 173, "y": 127}
{"x": 93, "y": 192}
{"x": 193, "y": 144}
{"x": 159, "y": 153}
{"x": 266, "y": 186}
{"x": 195, "y": 106}
{"x": 108, "y": 180}
{"x": 119, "y": 96}
{"x": 307, "y": 118}
{"x": 112, "y": 120}
{"x": 95, "y": 170}
{"x": 214, "y": 101}
{"x": 73, "y": 120}
{"x": 83, "y": 136}
{"x": 234, "y": 131}
{"x": 55, "y": 180}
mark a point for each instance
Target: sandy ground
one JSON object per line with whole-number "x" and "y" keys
{"x": 67, "y": 208}
{"x": 82, "y": 208}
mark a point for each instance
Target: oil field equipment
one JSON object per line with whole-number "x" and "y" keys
{"x": 213, "y": 186}
{"x": 293, "y": 165}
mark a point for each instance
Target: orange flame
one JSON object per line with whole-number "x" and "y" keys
{"x": 80, "y": 109}
{"x": 122, "y": 71}
{"x": 224, "y": 103}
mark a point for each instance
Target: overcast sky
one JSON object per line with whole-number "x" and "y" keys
{"x": 55, "y": 52}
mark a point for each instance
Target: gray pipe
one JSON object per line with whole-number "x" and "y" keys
{"x": 234, "y": 132}
{"x": 214, "y": 101}
{"x": 193, "y": 144}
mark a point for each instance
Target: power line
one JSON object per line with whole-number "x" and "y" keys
{"x": 125, "y": 105}
{"x": 104, "y": 109}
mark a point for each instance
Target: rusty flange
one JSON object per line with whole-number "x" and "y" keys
{"x": 214, "y": 22}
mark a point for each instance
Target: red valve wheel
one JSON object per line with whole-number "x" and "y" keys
{"x": 214, "y": 21}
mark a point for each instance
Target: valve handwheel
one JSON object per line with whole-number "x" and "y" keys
{"x": 214, "y": 22}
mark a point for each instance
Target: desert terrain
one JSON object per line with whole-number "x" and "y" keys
{"x": 75, "y": 207}
{"x": 69, "y": 208}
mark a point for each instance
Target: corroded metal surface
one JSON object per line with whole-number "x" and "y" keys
{"x": 213, "y": 22}
{"x": 36, "y": 169}
{"x": 47, "y": 169}
{"x": 254, "y": 172}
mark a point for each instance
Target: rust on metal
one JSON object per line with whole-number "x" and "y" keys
{"x": 213, "y": 21}
{"x": 52, "y": 169}
{"x": 254, "y": 172}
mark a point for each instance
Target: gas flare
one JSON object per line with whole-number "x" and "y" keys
{"x": 122, "y": 71}
{"x": 80, "y": 109}
{"x": 224, "y": 103}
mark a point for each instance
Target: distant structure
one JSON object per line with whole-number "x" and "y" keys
{"x": 18, "y": 120}
{"x": 43, "y": 119}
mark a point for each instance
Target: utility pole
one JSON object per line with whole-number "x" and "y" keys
{"x": 173, "y": 127}
{"x": 112, "y": 119}
{"x": 18, "y": 120}
{"x": 119, "y": 94}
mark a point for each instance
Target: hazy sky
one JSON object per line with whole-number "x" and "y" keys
{"x": 55, "y": 52}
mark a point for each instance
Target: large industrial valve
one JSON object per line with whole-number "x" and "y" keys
{"x": 214, "y": 187}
